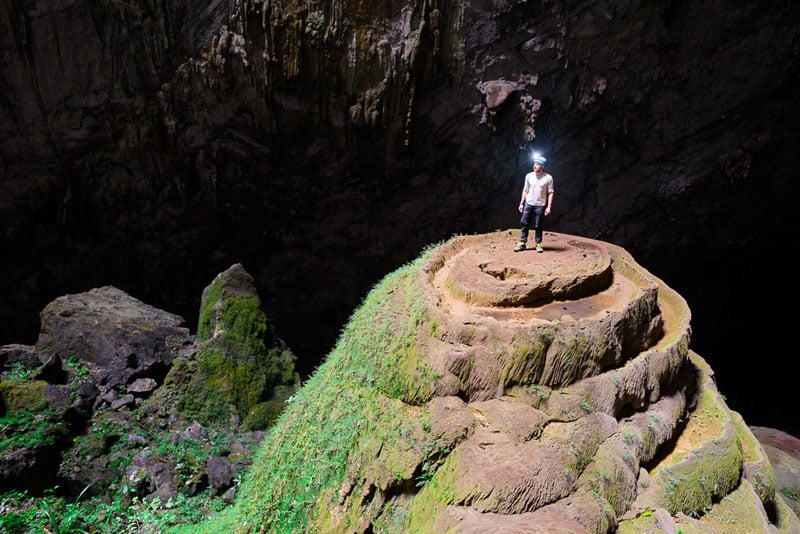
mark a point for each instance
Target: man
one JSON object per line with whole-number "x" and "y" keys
{"x": 535, "y": 204}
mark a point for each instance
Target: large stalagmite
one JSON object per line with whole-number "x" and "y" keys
{"x": 481, "y": 390}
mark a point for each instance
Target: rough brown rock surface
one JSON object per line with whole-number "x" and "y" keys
{"x": 783, "y": 451}
{"x": 583, "y": 410}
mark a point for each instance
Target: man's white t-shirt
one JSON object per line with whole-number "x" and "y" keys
{"x": 538, "y": 187}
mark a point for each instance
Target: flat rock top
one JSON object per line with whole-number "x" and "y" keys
{"x": 490, "y": 273}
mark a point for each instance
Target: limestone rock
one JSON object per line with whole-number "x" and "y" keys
{"x": 783, "y": 451}
{"x": 583, "y": 411}
{"x": 240, "y": 371}
{"x": 114, "y": 335}
{"x": 135, "y": 134}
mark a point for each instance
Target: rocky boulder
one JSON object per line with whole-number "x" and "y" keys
{"x": 783, "y": 451}
{"x": 115, "y": 336}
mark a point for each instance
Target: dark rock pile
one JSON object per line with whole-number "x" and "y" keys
{"x": 118, "y": 397}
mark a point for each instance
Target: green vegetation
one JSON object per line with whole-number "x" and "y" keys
{"x": 24, "y": 514}
{"x": 332, "y": 435}
{"x": 791, "y": 493}
{"x": 119, "y": 508}
{"x": 19, "y": 395}
{"x": 232, "y": 377}
{"x": 536, "y": 389}
{"x": 18, "y": 373}
{"x": 358, "y": 447}
{"x": 233, "y": 374}
{"x": 692, "y": 485}
{"x": 26, "y": 428}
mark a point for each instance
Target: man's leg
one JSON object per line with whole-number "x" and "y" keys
{"x": 525, "y": 224}
{"x": 538, "y": 222}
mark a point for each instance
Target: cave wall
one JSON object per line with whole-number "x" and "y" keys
{"x": 152, "y": 144}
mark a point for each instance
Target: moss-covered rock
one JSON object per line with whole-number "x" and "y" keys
{"x": 240, "y": 371}
{"x": 31, "y": 435}
{"x": 434, "y": 415}
{"x": 17, "y": 396}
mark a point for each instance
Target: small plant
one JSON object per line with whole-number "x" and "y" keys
{"x": 80, "y": 370}
{"x": 653, "y": 420}
{"x": 538, "y": 429}
{"x": 536, "y": 389}
{"x": 63, "y": 518}
{"x": 18, "y": 373}
{"x": 423, "y": 478}
{"x": 25, "y": 428}
{"x": 791, "y": 493}
{"x": 673, "y": 482}
{"x": 434, "y": 329}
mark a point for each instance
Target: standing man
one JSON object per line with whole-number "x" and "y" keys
{"x": 536, "y": 201}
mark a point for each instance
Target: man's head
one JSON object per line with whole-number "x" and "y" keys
{"x": 538, "y": 161}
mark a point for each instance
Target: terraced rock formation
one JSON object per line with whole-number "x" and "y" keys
{"x": 481, "y": 390}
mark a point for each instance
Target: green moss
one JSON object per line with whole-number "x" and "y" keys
{"x": 233, "y": 373}
{"x": 22, "y": 395}
{"x": 238, "y": 378}
{"x": 433, "y": 499}
{"x": 466, "y": 337}
{"x": 243, "y": 321}
{"x": 205, "y": 324}
{"x": 525, "y": 364}
{"x": 392, "y": 519}
{"x": 434, "y": 329}
{"x": 646, "y": 522}
{"x": 263, "y": 415}
{"x": 709, "y": 473}
{"x": 335, "y": 428}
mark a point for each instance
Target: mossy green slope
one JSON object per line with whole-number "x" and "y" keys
{"x": 325, "y": 466}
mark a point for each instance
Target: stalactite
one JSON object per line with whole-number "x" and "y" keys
{"x": 409, "y": 113}
{"x": 436, "y": 28}
{"x": 292, "y": 55}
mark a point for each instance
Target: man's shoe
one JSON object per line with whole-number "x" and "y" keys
{"x": 520, "y": 247}
{"x": 539, "y": 247}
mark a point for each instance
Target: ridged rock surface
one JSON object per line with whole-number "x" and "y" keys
{"x": 451, "y": 405}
